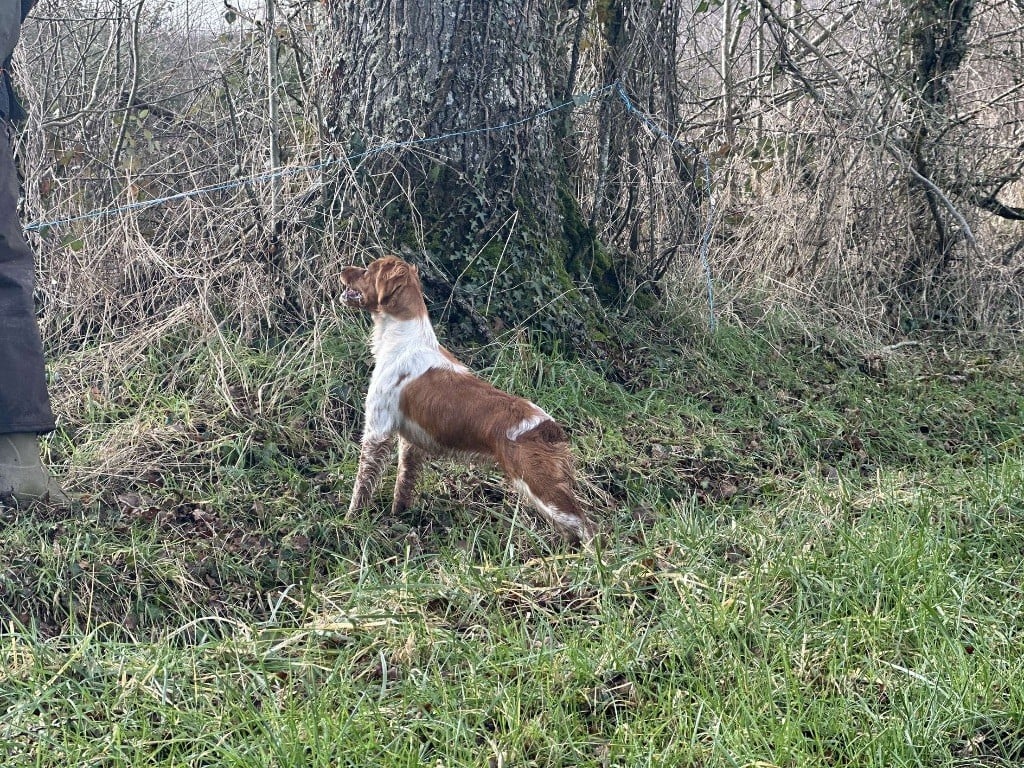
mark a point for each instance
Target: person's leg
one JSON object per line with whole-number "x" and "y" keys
{"x": 24, "y": 402}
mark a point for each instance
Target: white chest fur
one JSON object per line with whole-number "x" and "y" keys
{"x": 402, "y": 351}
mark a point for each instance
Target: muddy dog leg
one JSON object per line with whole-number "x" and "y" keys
{"x": 410, "y": 461}
{"x": 373, "y": 458}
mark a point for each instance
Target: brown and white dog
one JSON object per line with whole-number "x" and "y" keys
{"x": 436, "y": 406}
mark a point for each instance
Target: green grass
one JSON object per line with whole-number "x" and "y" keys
{"x": 811, "y": 561}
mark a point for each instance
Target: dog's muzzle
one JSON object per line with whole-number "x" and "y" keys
{"x": 352, "y": 297}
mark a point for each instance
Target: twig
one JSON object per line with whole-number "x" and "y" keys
{"x": 115, "y": 156}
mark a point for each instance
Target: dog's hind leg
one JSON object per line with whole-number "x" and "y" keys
{"x": 410, "y": 461}
{"x": 373, "y": 457}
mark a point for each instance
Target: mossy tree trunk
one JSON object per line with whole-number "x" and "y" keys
{"x": 491, "y": 217}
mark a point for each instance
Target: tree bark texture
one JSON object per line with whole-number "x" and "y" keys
{"x": 491, "y": 217}
{"x": 938, "y": 38}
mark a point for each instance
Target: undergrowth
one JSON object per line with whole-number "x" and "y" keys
{"x": 813, "y": 558}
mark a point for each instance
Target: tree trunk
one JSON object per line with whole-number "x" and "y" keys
{"x": 490, "y": 217}
{"x": 938, "y": 43}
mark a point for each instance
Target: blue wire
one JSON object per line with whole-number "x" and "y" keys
{"x": 390, "y": 146}
{"x": 577, "y": 100}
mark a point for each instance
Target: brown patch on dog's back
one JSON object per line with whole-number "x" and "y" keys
{"x": 549, "y": 431}
{"x": 461, "y": 412}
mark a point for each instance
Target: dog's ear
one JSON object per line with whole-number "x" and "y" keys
{"x": 389, "y": 282}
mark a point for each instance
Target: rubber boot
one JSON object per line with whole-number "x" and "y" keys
{"x": 22, "y": 474}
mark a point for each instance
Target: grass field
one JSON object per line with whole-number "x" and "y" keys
{"x": 814, "y": 558}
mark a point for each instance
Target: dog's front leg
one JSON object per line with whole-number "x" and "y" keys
{"x": 373, "y": 457}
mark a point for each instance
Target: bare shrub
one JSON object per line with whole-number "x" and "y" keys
{"x": 804, "y": 112}
{"x": 822, "y": 185}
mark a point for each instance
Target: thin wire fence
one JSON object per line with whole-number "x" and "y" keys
{"x": 612, "y": 89}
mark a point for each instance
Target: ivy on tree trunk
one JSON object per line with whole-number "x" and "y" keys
{"x": 491, "y": 217}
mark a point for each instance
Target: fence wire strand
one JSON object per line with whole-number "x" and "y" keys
{"x": 616, "y": 88}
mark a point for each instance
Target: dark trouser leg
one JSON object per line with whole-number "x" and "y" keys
{"x": 24, "y": 401}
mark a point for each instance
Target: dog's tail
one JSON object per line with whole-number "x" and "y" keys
{"x": 540, "y": 465}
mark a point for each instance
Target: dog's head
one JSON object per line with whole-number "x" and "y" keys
{"x": 388, "y": 285}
